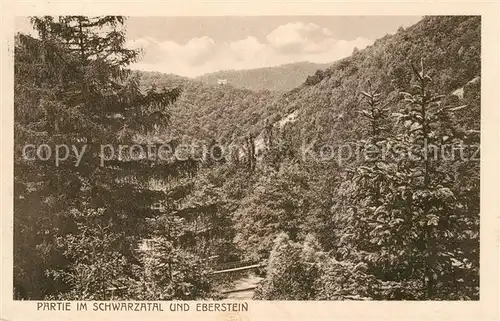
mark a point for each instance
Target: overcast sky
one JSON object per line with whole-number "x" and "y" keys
{"x": 191, "y": 46}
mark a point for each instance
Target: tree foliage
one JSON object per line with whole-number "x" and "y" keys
{"x": 399, "y": 223}
{"x": 72, "y": 87}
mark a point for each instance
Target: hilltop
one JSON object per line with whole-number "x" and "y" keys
{"x": 280, "y": 78}
{"x": 327, "y": 101}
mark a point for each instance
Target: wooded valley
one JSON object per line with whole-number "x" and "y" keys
{"x": 296, "y": 201}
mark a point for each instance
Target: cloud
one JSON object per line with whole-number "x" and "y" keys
{"x": 246, "y": 49}
{"x": 288, "y": 43}
{"x": 194, "y": 52}
{"x": 298, "y": 37}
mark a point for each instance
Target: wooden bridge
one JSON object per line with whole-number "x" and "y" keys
{"x": 239, "y": 269}
{"x": 243, "y": 287}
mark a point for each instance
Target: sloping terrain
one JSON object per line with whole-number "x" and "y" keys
{"x": 328, "y": 102}
{"x": 326, "y": 105}
{"x": 281, "y": 78}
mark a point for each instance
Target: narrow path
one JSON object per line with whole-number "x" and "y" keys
{"x": 243, "y": 288}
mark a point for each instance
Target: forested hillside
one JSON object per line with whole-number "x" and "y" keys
{"x": 353, "y": 210}
{"x": 361, "y": 183}
{"x": 281, "y": 78}
{"x": 208, "y": 112}
{"x": 327, "y": 100}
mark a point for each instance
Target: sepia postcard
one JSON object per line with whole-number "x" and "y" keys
{"x": 250, "y": 160}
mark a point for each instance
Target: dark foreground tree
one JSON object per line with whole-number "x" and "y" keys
{"x": 78, "y": 221}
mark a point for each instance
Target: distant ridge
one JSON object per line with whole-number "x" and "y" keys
{"x": 280, "y": 78}
{"x": 325, "y": 102}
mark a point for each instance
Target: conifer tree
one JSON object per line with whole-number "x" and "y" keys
{"x": 367, "y": 184}
{"x": 407, "y": 226}
{"x": 430, "y": 194}
{"x": 72, "y": 87}
{"x": 250, "y": 147}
